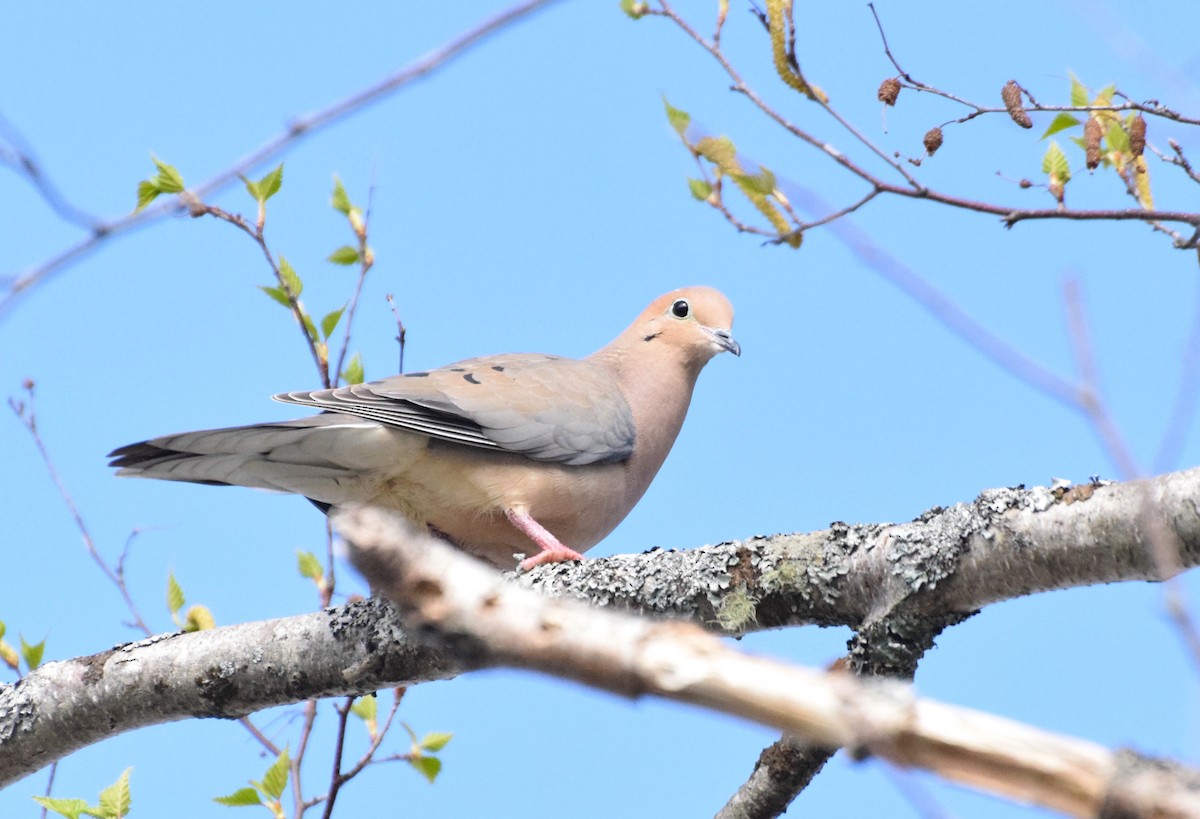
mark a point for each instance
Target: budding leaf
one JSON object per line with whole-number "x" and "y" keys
{"x": 32, "y": 654}
{"x": 291, "y": 279}
{"x": 175, "y": 598}
{"x": 1079, "y": 92}
{"x": 276, "y": 777}
{"x": 353, "y": 374}
{"x": 240, "y": 798}
{"x": 344, "y": 255}
{"x": 365, "y": 708}
{"x": 199, "y": 618}
{"x": 700, "y": 189}
{"x": 1055, "y": 163}
{"x": 330, "y": 322}
{"x": 308, "y": 565}
{"x": 168, "y": 179}
{"x": 428, "y": 766}
{"x": 116, "y": 799}
{"x": 70, "y": 808}
{"x": 341, "y": 200}
{"x": 679, "y": 119}
{"x": 435, "y": 741}
{"x": 270, "y": 184}
{"x": 277, "y": 294}
{"x": 1061, "y": 123}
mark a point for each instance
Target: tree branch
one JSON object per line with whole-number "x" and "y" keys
{"x": 483, "y": 615}
{"x": 897, "y": 584}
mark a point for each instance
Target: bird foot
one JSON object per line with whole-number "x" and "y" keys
{"x": 559, "y": 555}
{"x": 552, "y": 550}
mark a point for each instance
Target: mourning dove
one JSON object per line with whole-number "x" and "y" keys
{"x": 493, "y": 453}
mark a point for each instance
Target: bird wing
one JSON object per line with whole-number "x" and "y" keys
{"x": 553, "y": 409}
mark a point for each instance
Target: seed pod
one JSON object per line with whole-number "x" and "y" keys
{"x": 1092, "y": 132}
{"x": 889, "y": 89}
{"x": 933, "y": 140}
{"x": 1137, "y": 136}
{"x": 1011, "y": 94}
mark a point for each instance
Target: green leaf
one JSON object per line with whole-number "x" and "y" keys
{"x": 353, "y": 374}
{"x": 270, "y": 184}
{"x": 1055, "y": 163}
{"x": 309, "y": 327}
{"x": 761, "y": 183}
{"x": 330, "y": 322}
{"x": 365, "y": 708}
{"x": 717, "y": 150}
{"x": 309, "y": 566}
{"x": 341, "y": 200}
{"x": 32, "y": 654}
{"x": 3, "y": 628}
{"x": 680, "y": 120}
{"x": 175, "y": 598}
{"x": 699, "y": 188}
{"x": 115, "y": 799}
{"x": 277, "y": 294}
{"x": 1104, "y": 97}
{"x": 240, "y": 798}
{"x": 1079, "y": 92}
{"x": 147, "y": 192}
{"x": 435, "y": 741}
{"x": 428, "y": 766}
{"x": 1118, "y": 138}
{"x": 168, "y": 179}
{"x": 344, "y": 255}
{"x": 71, "y": 808}
{"x": 1061, "y": 123}
{"x": 276, "y": 777}
{"x": 289, "y": 277}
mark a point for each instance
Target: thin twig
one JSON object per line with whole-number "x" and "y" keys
{"x": 339, "y": 748}
{"x": 1089, "y": 400}
{"x": 21, "y": 158}
{"x": 27, "y": 415}
{"x": 299, "y": 128}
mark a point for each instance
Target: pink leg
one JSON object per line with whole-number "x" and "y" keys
{"x": 551, "y": 550}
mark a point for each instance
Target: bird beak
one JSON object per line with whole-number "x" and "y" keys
{"x": 725, "y": 341}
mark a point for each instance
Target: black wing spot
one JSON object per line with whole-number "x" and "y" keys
{"x": 651, "y": 337}
{"x": 498, "y": 368}
{"x": 458, "y": 369}
{"x": 417, "y": 375}
{"x": 471, "y": 379}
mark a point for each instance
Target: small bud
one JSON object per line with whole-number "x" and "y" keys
{"x": 889, "y": 89}
{"x": 1057, "y": 189}
{"x": 27, "y": 385}
{"x": 1011, "y": 94}
{"x": 933, "y": 140}
{"x": 1092, "y": 132}
{"x": 1137, "y": 136}
{"x": 1025, "y": 183}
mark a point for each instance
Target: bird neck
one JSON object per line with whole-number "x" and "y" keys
{"x": 658, "y": 384}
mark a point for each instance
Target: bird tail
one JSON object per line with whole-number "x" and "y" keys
{"x": 327, "y": 458}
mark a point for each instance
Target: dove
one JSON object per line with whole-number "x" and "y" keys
{"x": 494, "y": 454}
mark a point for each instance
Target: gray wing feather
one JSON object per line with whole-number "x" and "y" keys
{"x": 547, "y": 408}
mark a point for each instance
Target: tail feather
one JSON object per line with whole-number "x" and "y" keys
{"x": 326, "y": 458}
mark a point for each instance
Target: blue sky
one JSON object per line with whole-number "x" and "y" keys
{"x": 531, "y": 196}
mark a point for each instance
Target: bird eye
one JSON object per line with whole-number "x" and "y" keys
{"x": 681, "y": 309}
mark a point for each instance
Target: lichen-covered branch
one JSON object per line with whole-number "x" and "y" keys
{"x": 896, "y": 584}
{"x": 460, "y": 602}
